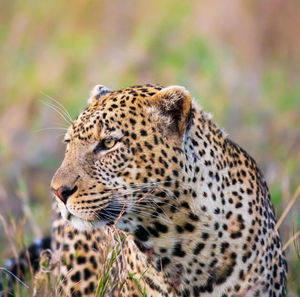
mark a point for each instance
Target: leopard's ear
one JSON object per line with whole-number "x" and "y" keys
{"x": 171, "y": 107}
{"x": 97, "y": 92}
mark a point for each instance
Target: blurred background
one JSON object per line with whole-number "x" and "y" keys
{"x": 239, "y": 59}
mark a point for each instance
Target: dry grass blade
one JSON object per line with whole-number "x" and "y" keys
{"x": 243, "y": 289}
{"x": 9, "y": 235}
{"x": 288, "y": 208}
{"x": 24, "y": 197}
{"x": 292, "y": 239}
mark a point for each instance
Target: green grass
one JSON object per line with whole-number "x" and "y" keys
{"x": 109, "y": 260}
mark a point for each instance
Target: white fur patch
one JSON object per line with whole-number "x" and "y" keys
{"x": 176, "y": 88}
{"x": 209, "y": 115}
{"x": 82, "y": 225}
{"x": 174, "y": 93}
{"x": 97, "y": 90}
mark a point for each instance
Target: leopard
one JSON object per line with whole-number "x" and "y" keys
{"x": 193, "y": 208}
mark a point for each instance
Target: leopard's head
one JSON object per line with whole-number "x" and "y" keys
{"x": 124, "y": 156}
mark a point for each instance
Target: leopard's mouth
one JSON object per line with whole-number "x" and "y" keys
{"x": 109, "y": 215}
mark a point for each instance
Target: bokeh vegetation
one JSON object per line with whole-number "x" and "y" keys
{"x": 240, "y": 59}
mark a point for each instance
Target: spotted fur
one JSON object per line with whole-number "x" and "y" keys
{"x": 194, "y": 204}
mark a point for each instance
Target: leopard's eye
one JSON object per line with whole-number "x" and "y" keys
{"x": 105, "y": 144}
{"x": 109, "y": 143}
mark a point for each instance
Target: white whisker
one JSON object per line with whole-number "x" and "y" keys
{"x": 58, "y": 111}
{"x": 61, "y": 107}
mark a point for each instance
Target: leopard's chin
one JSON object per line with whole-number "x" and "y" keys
{"x": 107, "y": 216}
{"x": 84, "y": 225}
{"x": 78, "y": 223}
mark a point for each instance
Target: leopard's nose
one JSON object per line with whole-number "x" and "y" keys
{"x": 64, "y": 192}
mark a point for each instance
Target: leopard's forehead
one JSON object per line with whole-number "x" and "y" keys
{"x": 116, "y": 106}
